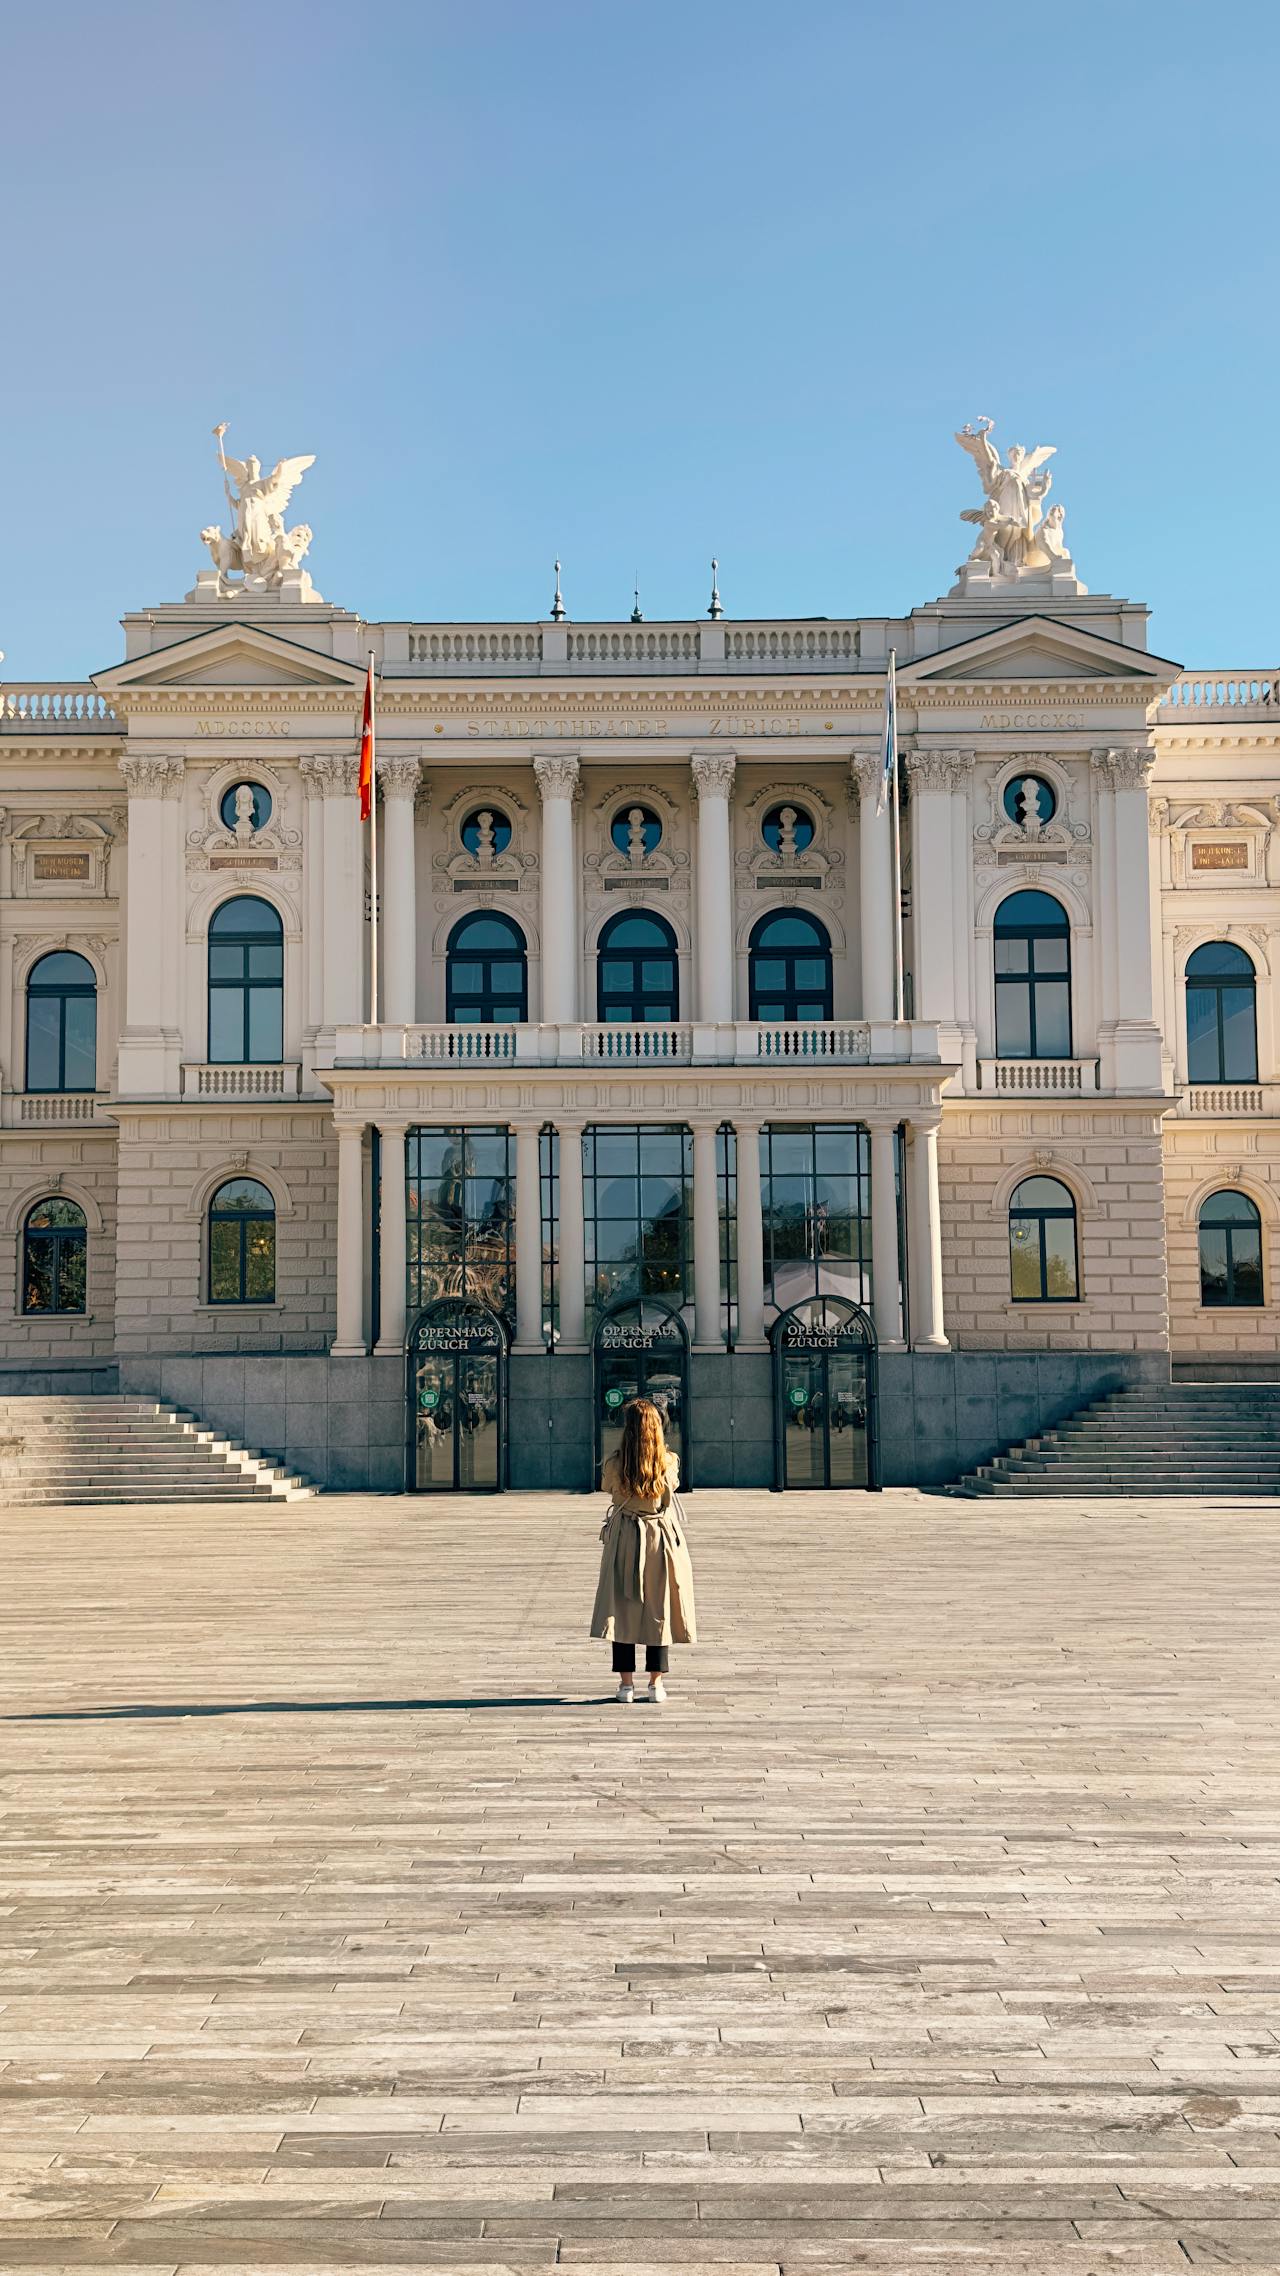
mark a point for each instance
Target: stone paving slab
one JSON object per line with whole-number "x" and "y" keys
{"x": 934, "y": 1924}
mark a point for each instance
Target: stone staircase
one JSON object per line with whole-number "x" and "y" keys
{"x": 126, "y": 1450}
{"x": 1178, "y": 1438}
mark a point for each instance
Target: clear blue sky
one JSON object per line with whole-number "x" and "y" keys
{"x": 637, "y": 284}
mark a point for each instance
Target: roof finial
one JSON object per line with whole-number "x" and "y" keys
{"x": 637, "y": 613}
{"x": 715, "y": 609}
{"x": 558, "y": 611}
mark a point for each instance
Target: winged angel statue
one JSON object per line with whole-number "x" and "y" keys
{"x": 259, "y": 547}
{"x": 1012, "y": 535}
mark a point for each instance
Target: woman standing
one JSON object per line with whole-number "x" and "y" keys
{"x": 645, "y": 1594}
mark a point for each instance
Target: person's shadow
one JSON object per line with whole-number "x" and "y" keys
{"x": 198, "y": 1708}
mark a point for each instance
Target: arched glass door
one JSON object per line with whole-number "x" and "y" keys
{"x": 457, "y": 1399}
{"x": 824, "y": 1397}
{"x": 641, "y": 1350}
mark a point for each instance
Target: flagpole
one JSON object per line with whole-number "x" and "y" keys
{"x": 373, "y": 855}
{"x": 899, "y": 977}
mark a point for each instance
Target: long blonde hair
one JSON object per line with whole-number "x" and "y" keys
{"x": 642, "y": 1456}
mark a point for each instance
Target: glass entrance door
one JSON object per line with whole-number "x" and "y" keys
{"x": 457, "y": 1422}
{"x": 623, "y": 1375}
{"x": 824, "y": 1360}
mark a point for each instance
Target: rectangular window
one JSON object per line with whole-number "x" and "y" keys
{"x": 43, "y": 1023}
{"x": 816, "y": 1200}
{"x": 460, "y": 1209}
{"x": 81, "y": 1048}
{"x": 638, "y": 1196}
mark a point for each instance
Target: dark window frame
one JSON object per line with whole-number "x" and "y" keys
{"x": 1031, "y": 980}
{"x": 61, "y": 992}
{"x": 246, "y": 983}
{"x": 779, "y": 1254}
{"x": 1039, "y": 1214}
{"x": 660, "y": 1263}
{"x": 61, "y": 1242}
{"x": 486, "y": 998}
{"x": 1233, "y": 1228}
{"x": 243, "y": 1219}
{"x": 1218, "y": 985}
{"x": 472, "y": 1260}
{"x": 792, "y": 994}
{"x": 638, "y": 995}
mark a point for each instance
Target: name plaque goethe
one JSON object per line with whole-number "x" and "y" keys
{"x": 1205, "y": 855}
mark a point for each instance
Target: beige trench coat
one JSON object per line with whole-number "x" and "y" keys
{"x": 645, "y": 1594}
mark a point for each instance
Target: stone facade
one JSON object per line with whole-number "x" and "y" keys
{"x": 552, "y": 778}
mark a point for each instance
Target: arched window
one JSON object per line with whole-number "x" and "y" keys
{"x": 637, "y": 975}
{"x": 486, "y": 972}
{"x": 1042, "y": 1243}
{"x": 1230, "y": 1251}
{"x": 242, "y": 1244}
{"x": 1033, "y": 978}
{"x": 55, "y": 1257}
{"x": 246, "y": 982}
{"x": 789, "y": 967}
{"x": 1222, "y": 1027}
{"x": 62, "y": 1024}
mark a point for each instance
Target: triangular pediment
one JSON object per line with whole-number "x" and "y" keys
{"x": 232, "y": 656}
{"x": 1033, "y": 650}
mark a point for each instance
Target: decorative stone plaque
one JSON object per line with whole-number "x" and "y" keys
{"x": 61, "y": 865}
{"x": 1205, "y": 855}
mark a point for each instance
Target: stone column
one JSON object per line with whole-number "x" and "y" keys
{"x": 557, "y": 784}
{"x": 398, "y": 780}
{"x": 151, "y": 1041}
{"x": 937, "y": 777}
{"x": 886, "y": 1294}
{"x": 572, "y": 1258}
{"x": 751, "y": 1336}
{"x": 706, "y": 1240}
{"x": 343, "y": 862}
{"x": 875, "y": 888}
{"x": 1133, "y": 1060}
{"x": 924, "y": 1220}
{"x": 529, "y": 1336}
{"x": 313, "y": 859}
{"x": 713, "y": 773}
{"x": 392, "y": 1241}
{"x": 349, "y": 1341}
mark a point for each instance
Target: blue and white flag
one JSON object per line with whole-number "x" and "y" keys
{"x": 889, "y": 767}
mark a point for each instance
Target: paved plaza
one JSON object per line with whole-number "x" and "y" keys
{"x": 934, "y": 1924}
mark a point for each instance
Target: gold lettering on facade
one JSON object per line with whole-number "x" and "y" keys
{"x": 1210, "y": 856}
{"x": 61, "y": 865}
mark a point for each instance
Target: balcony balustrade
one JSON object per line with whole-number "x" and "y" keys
{"x": 50, "y": 1109}
{"x": 54, "y": 703}
{"x": 1201, "y": 697}
{"x": 277, "y": 1079}
{"x": 1038, "y": 1078}
{"x": 1230, "y": 1101}
{"x": 675, "y": 1043}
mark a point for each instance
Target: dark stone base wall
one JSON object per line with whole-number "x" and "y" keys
{"x": 341, "y": 1422}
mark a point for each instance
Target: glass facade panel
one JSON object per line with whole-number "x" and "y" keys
{"x": 486, "y": 972}
{"x": 1222, "y": 1028}
{"x": 242, "y": 1244}
{"x": 246, "y": 983}
{"x": 816, "y": 1199}
{"x": 638, "y": 1197}
{"x": 460, "y": 1209}
{"x": 789, "y": 968}
{"x": 637, "y": 970}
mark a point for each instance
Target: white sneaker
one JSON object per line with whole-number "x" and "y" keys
{"x": 625, "y": 1694}
{"x": 658, "y": 1692}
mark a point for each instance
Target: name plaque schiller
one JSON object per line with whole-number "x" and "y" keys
{"x": 61, "y": 865}
{"x": 244, "y": 861}
{"x": 1234, "y": 856}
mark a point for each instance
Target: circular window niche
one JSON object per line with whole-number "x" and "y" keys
{"x": 787, "y": 829}
{"x": 636, "y": 830}
{"x": 245, "y": 802}
{"x": 486, "y": 832}
{"x": 1029, "y": 798}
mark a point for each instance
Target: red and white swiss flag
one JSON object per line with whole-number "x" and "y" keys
{"x": 366, "y": 750}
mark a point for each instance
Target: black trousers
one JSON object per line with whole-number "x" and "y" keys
{"x": 656, "y": 1659}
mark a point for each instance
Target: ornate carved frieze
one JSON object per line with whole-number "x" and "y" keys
{"x": 399, "y": 776}
{"x": 152, "y": 776}
{"x": 58, "y": 856}
{"x": 713, "y": 773}
{"x": 618, "y": 875}
{"x": 488, "y": 873}
{"x": 940, "y": 770}
{"x": 791, "y": 872}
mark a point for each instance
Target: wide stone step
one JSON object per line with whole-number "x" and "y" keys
{"x": 1207, "y": 1439}
{"x": 113, "y": 1450}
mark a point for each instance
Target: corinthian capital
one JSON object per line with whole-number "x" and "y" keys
{"x": 557, "y": 777}
{"x": 713, "y": 773}
{"x": 940, "y": 770}
{"x": 1123, "y": 769}
{"x": 152, "y": 777}
{"x": 865, "y": 768}
{"x": 398, "y": 777}
{"x": 330, "y": 777}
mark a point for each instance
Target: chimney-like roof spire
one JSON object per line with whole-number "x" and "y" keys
{"x": 558, "y": 610}
{"x": 715, "y": 609}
